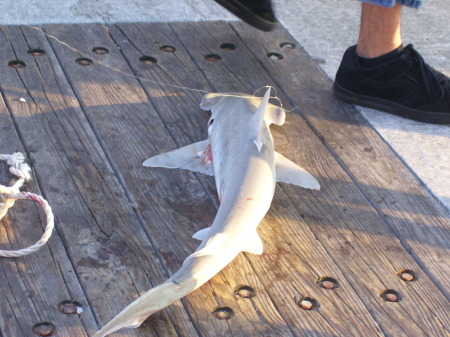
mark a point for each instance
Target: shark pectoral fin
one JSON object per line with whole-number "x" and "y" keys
{"x": 290, "y": 172}
{"x": 201, "y": 234}
{"x": 254, "y": 245}
{"x": 189, "y": 157}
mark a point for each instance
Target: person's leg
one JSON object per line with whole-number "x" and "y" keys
{"x": 379, "y": 30}
{"x": 380, "y": 73}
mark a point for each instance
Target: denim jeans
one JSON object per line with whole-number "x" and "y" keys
{"x": 391, "y": 3}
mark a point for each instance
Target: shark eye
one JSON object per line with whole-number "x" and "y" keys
{"x": 210, "y": 122}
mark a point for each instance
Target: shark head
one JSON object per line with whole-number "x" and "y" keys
{"x": 259, "y": 105}
{"x": 264, "y": 113}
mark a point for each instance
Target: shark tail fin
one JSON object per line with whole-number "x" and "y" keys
{"x": 137, "y": 312}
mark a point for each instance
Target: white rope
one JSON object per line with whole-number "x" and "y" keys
{"x": 8, "y": 196}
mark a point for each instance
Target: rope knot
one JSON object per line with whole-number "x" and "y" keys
{"x": 8, "y": 195}
{"x": 18, "y": 167}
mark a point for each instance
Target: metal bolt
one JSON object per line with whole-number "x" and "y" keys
{"x": 16, "y": 64}
{"x": 287, "y": 45}
{"x": 147, "y": 59}
{"x": 275, "y": 56}
{"x": 70, "y": 307}
{"x": 36, "y": 52}
{"x": 212, "y": 58}
{"x": 100, "y": 50}
{"x": 390, "y": 295}
{"x": 83, "y": 61}
{"x": 407, "y": 275}
{"x": 44, "y": 329}
{"x": 327, "y": 283}
{"x": 167, "y": 49}
{"x": 228, "y": 46}
{"x": 306, "y": 303}
{"x": 245, "y": 292}
{"x": 223, "y": 313}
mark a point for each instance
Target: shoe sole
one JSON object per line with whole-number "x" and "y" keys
{"x": 390, "y": 107}
{"x": 247, "y": 15}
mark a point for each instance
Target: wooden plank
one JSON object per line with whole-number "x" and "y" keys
{"x": 345, "y": 223}
{"x": 335, "y": 232}
{"x": 152, "y": 32}
{"x": 414, "y": 215}
{"x": 161, "y": 33}
{"x": 164, "y": 199}
{"x": 108, "y": 248}
{"x": 31, "y": 287}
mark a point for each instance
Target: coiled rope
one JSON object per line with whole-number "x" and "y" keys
{"x": 8, "y": 196}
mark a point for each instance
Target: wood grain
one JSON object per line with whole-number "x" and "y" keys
{"x": 340, "y": 211}
{"x": 91, "y": 208}
{"x": 31, "y": 287}
{"x": 123, "y": 228}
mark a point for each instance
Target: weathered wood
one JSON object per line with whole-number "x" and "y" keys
{"x": 173, "y": 195}
{"x": 161, "y": 33}
{"x": 413, "y": 214}
{"x": 74, "y": 174}
{"x": 354, "y": 224}
{"x": 31, "y": 287}
{"x": 122, "y": 228}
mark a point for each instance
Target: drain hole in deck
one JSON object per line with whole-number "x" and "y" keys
{"x": 70, "y": 307}
{"x": 327, "y": 283}
{"x": 228, "y": 46}
{"x": 275, "y": 56}
{"x": 83, "y": 61}
{"x": 245, "y": 292}
{"x": 223, "y": 313}
{"x": 212, "y": 58}
{"x": 287, "y": 45}
{"x": 148, "y": 60}
{"x": 36, "y": 52}
{"x": 407, "y": 275}
{"x": 17, "y": 64}
{"x": 44, "y": 329}
{"x": 167, "y": 49}
{"x": 307, "y": 303}
{"x": 100, "y": 50}
{"x": 390, "y": 295}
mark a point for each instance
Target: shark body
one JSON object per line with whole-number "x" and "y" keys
{"x": 240, "y": 153}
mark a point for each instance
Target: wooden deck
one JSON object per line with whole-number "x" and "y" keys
{"x": 122, "y": 228}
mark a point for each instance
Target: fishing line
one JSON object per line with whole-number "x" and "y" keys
{"x": 137, "y": 77}
{"x": 113, "y": 68}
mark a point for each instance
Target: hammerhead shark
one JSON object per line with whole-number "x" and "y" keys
{"x": 239, "y": 152}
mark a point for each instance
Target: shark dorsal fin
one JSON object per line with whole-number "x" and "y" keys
{"x": 260, "y": 115}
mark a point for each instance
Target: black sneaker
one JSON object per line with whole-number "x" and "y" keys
{"x": 404, "y": 86}
{"x": 258, "y": 13}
